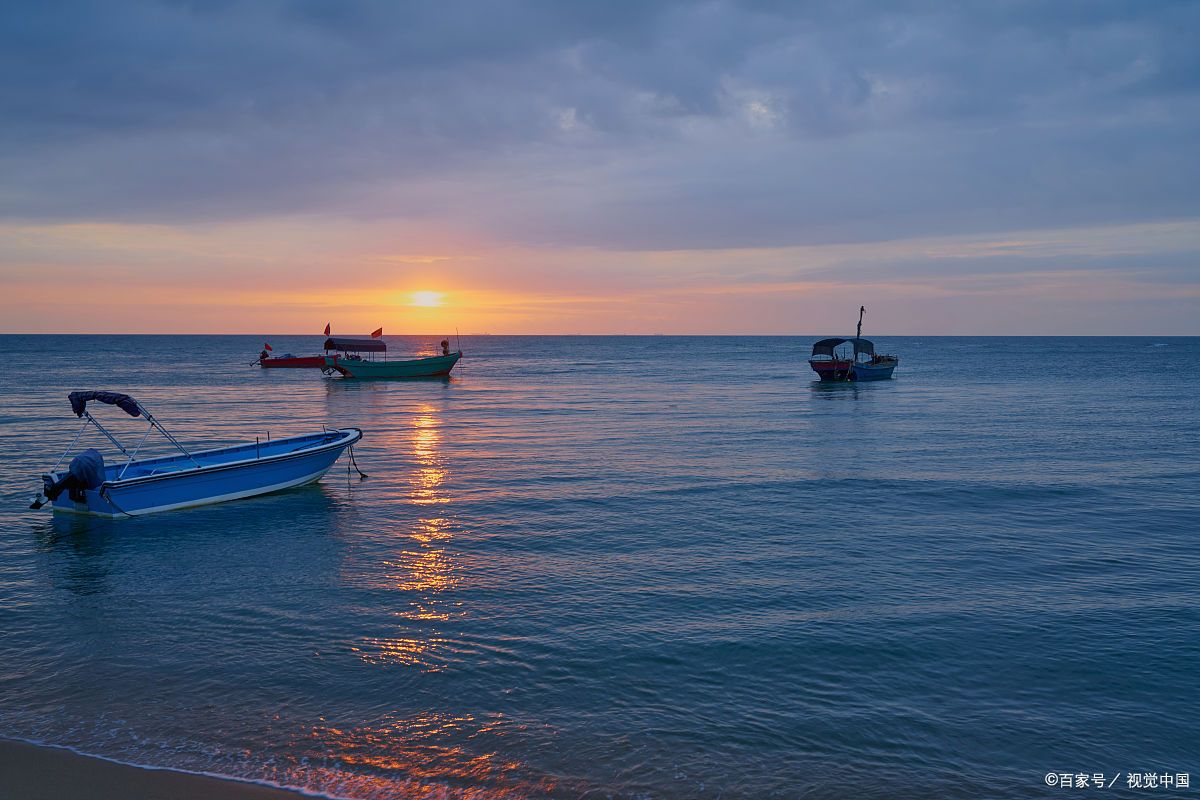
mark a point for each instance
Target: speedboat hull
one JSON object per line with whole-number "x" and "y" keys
{"x": 230, "y": 473}
{"x": 872, "y": 372}
{"x": 415, "y": 368}
{"x": 294, "y": 362}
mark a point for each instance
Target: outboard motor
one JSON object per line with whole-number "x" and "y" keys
{"x": 85, "y": 472}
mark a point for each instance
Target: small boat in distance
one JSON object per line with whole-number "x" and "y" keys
{"x": 193, "y": 478}
{"x": 289, "y": 361}
{"x": 268, "y": 360}
{"x": 859, "y": 362}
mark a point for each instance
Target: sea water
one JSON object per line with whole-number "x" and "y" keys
{"x": 628, "y": 567}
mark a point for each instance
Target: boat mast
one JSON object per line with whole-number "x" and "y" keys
{"x": 857, "y": 336}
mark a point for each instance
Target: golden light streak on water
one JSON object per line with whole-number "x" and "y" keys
{"x": 421, "y": 756}
{"x": 407, "y": 651}
{"x": 425, "y": 568}
{"x": 430, "y": 472}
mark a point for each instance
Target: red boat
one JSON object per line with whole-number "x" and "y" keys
{"x": 268, "y": 360}
{"x": 294, "y": 362}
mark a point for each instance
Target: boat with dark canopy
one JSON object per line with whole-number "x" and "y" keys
{"x": 857, "y": 362}
{"x": 351, "y": 365}
{"x": 192, "y": 478}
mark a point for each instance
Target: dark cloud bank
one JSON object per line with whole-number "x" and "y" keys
{"x": 614, "y": 124}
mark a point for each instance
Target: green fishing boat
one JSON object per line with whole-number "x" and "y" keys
{"x": 350, "y": 364}
{"x": 428, "y": 367}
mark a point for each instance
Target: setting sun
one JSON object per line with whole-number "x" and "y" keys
{"x": 427, "y": 299}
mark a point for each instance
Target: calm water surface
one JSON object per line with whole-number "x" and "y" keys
{"x": 628, "y": 567}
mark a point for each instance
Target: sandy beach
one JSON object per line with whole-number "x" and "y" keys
{"x": 30, "y": 772}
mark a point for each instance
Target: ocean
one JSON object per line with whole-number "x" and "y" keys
{"x": 628, "y": 567}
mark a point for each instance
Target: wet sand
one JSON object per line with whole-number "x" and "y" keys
{"x": 30, "y": 772}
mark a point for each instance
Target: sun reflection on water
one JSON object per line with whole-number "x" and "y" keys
{"x": 420, "y": 756}
{"x": 431, "y": 754}
{"x": 429, "y": 569}
{"x": 408, "y": 651}
{"x": 425, "y": 567}
{"x": 430, "y": 472}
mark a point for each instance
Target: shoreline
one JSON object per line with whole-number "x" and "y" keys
{"x": 31, "y": 771}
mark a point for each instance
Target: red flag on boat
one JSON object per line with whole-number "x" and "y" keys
{"x": 267, "y": 346}
{"x": 377, "y": 334}
{"x": 326, "y": 328}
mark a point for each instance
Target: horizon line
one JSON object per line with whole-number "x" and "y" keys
{"x": 653, "y": 335}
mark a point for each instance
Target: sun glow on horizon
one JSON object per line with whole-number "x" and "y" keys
{"x": 262, "y": 278}
{"x": 427, "y": 299}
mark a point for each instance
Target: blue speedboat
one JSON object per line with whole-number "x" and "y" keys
{"x": 144, "y": 486}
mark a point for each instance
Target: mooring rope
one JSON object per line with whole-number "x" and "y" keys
{"x": 361, "y": 474}
{"x": 108, "y": 498}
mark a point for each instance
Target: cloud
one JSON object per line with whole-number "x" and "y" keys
{"x": 632, "y": 125}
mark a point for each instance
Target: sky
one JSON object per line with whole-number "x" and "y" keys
{"x": 538, "y": 166}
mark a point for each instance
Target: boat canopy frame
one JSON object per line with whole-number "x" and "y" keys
{"x": 354, "y": 344}
{"x": 827, "y": 347}
{"x": 133, "y": 408}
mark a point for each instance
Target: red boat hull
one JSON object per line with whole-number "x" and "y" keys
{"x": 293, "y": 363}
{"x": 831, "y": 370}
{"x": 879, "y": 368}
